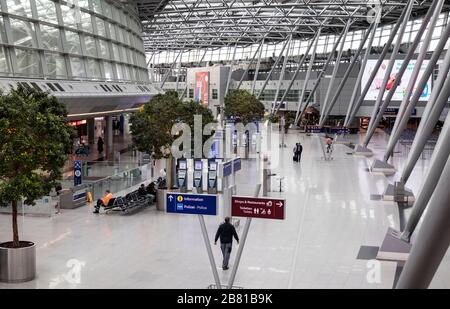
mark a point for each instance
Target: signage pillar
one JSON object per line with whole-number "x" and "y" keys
{"x": 77, "y": 173}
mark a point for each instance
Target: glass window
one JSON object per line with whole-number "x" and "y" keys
{"x": 123, "y": 54}
{"x": 128, "y": 53}
{"x": 83, "y": 4}
{"x": 126, "y": 73}
{"x": 56, "y": 66}
{"x": 68, "y": 16}
{"x": 91, "y": 49}
{"x": 46, "y": 11}
{"x": 4, "y": 67}
{"x": 119, "y": 34}
{"x": 50, "y": 38}
{"x": 94, "y": 68}
{"x": 112, "y": 31}
{"x": 104, "y": 49}
{"x": 23, "y": 33}
{"x": 97, "y": 5}
{"x": 116, "y": 14}
{"x": 19, "y": 7}
{"x": 77, "y": 67}
{"x": 119, "y": 72}
{"x": 126, "y": 37}
{"x": 116, "y": 54}
{"x": 27, "y": 62}
{"x": 73, "y": 42}
{"x": 86, "y": 22}
{"x": 100, "y": 27}
{"x": 123, "y": 18}
{"x": 108, "y": 70}
{"x": 2, "y": 31}
{"x": 107, "y": 9}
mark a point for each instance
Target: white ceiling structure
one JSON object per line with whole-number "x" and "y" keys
{"x": 194, "y": 24}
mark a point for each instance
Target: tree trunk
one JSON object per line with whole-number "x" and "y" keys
{"x": 16, "y": 243}
{"x": 169, "y": 172}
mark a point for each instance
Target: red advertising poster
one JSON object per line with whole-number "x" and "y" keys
{"x": 202, "y": 88}
{"x": 263, "y": 208}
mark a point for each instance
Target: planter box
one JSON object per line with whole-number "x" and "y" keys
{"x": 17, "y": 264}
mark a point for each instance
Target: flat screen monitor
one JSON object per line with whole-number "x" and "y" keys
{"x": 198, "y": 165}
{"x": 182, "y": 165}
{"x": 213, "y": 166}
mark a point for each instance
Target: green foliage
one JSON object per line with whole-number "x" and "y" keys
{"x": 289, "y": 117}
{"x": 273, "y": 118}
{"x": 151, "y": 127}
{"x": 244, "y": 106}
{"x": 35, "y": 140}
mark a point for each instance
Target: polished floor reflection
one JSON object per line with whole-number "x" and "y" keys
{"x": 330, "y": 215}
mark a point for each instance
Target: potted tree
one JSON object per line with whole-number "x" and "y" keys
{"x": 244, "y": 107}
{"x": 151, "y": 127}
{"x": 34, "y": 142}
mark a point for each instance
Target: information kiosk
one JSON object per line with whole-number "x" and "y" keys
{"x": 198, "y": 175}
{"x": 212, "y": 176}
{"x": 182, "y": 175}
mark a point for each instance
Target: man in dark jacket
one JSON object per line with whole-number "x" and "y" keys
{"x": 226, "y": 232}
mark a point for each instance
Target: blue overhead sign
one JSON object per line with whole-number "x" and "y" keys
{"x": 193, "y": 204}
{"x": 237, "y": 164}
{"x": 227, "y": 168}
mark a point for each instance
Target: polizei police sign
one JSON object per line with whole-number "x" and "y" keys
{"x": 192, "y": 204}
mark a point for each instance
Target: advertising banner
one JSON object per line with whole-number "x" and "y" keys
{"x": 202, "y": 88}
{"x": 399, "y": 94}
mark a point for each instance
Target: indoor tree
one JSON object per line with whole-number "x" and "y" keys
{"x": 151, "y": 126}
{"x": 35, "y": 140}
{"x": 243, "y": 106}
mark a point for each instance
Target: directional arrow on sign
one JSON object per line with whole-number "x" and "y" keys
{"x": 280, "y": 204}
{"x": 170, "y": 198}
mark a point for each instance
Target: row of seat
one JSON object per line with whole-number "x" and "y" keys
{"x": 130, "y": 202}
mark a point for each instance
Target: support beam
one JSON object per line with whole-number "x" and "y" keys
{"x": 170, "y": 70}
{"x": 427, "y": 125}
{"x": 333, "y": 101}
{"x": 376, "y": 67}
{"x": 362, "y": 70}
{"x": 440, "y": 156}
{"x": 273, "y": 69}
{"x": 258, "y": 65}
{"x": 231, "y": 71}
{"x": 301, "y": 60}
{"x": 249, "y": 65}
{"x": 409, "y": 105}
{"x": 433, "y": 240}
{"x": 308, "y": 75}
{"x": 281, "y": 77}
{"x": 380, "y": 105}
{"x": 335, "y": 71}
{"x": 319, "y": 78}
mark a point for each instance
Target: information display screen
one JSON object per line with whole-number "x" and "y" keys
{"x": 213, "y": 166}
{"x": 198, "y": 165}
{"x": 182, "y": 165}
{"x": 399, "y": 94}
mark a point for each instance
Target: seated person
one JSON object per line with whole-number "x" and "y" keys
{"x": 151, "y": 189}
{"x": 142, "y": 191}
{"x": 103, "y": 201}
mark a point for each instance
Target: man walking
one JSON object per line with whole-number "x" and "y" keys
{"x": 226, "y": 232}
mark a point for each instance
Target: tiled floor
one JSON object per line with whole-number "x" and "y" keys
{"x": 329, "y": 216}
